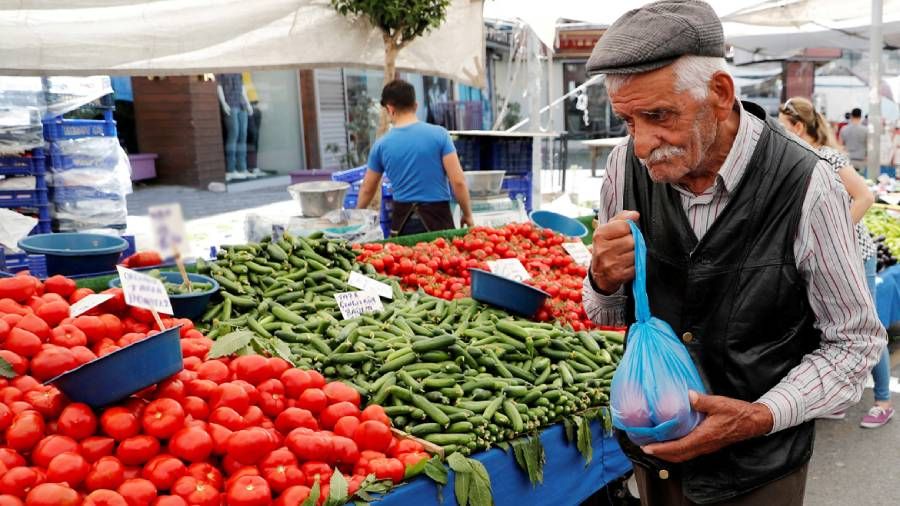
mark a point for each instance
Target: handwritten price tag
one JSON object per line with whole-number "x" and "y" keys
{"x": 167, "y": 223}
{"x": 144, "y": 291}
{"x": 578, "y": 252}
{"x": 86, "y": 304}
{"x": 353, "y": 304}
{"x": 510, "y": 268}
{"x": 368, "y": 284}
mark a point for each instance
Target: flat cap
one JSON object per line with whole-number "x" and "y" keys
{"x": 657, "y": 34}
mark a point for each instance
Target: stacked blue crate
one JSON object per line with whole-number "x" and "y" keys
{"x": 354, "y": 177}
{"x": 514, "y": 155}
{"x": 34, "y": 200}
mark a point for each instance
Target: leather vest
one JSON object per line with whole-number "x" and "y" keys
{"x": 737, "y": 299}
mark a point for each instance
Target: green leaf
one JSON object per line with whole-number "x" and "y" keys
{"x": 436, "y": 470}
{"x": 230, "y": 344}
{"x": 585, "y": 441}
{"x": 473, "y": 484}
{"x": 415, "y": 470}
{"x": 314, "y": 493}
{"x": 360, "y": 503}
{"x": 337, "y": 489}
{"x": 282, "y": 350}
{"x": 529, "y": 454}
{"x": 461, "y": 488}
{"x": 570, "y": 430}
{"x": 503, "y": 445}
{"x": 481, "y": 493}
{"x": 6, "y": 369}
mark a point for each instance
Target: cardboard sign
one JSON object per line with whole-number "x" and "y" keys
{"x": 353, "y": 304}
{"x": 86, "y": 304}
{"x": 144, "y": 291}
{"x": 368, "y": 284}
{"x": 167, "y": 223}
{"x": 510, "y": 268}
{"x": 579, "y": 252}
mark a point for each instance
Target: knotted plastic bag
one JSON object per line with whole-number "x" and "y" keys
{"x": 649, "y": 393}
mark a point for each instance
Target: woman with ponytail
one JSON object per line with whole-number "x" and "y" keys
{"x": 799, "y": 116}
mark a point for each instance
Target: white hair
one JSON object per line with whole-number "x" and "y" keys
{"x": 692, "y": 74}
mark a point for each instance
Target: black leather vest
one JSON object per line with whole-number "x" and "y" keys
{"x": 739, "y": 295}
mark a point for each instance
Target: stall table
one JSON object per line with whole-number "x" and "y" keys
{"x": 567, "y": 480}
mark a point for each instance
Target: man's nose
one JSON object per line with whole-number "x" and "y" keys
{"x": 644, "y": 143}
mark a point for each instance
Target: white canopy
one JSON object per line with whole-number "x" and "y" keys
{"x": 140, "y": 37}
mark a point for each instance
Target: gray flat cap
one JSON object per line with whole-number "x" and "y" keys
{"x": 657, "y": 34}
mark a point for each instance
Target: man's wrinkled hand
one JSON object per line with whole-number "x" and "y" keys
{"x": 612, "y": 264}
{"x": 727, "y": 421}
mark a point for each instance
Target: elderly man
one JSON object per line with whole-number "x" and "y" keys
{"x": 750, "y": 259}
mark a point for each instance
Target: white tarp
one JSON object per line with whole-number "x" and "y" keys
{"x": 140, "y": 37}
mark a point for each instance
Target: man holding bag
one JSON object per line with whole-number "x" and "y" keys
{"x": 747, "y": 235}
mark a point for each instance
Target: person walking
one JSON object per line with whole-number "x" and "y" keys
{"x": 420, "y": 160}
{"x": 747, "y": 233}
{"x": 800, "y": 118}
{"x": 854, "y": 137}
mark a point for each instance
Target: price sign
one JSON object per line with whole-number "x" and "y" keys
{"x": 167, "y": 223}
{"x": 510, "y": 268}
{"x": 86, "y": 304}
{"x": 368, "y": 284}
{"x": 353, "y": 304}
{"x": 144, "y": 291}
{"x": 578, "y": 252}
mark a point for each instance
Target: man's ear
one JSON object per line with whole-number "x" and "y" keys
{"x": 721, "y": 95}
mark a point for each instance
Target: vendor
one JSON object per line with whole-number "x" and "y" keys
{"x": 420, "y": 160}
{"x": 749, "y": 240}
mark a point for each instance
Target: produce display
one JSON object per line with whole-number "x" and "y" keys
{"x": 456, "y": 373}
{"x": 886, "y": 230}
{"x": 179, "y": 288}
{"x": 440, "y": 267}
{"x": 236, "y": 430}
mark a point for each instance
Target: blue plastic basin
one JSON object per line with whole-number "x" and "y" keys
{"x": 505, "y": 293}
{"x": 558, "y": 223}
{"x": 76, "y": 253}
{"x": 123, "y": 372}
{"x": 187, "y": 305}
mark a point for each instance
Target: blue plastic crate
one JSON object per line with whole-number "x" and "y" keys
{"x": 470, "y": 152}
{"x": 387, "y": 208}
{"x": 526, "y": 197}
{"x": 23, "y": 198}
{"x": 517, "y": 184}
{"x": 60, "y": 161}
{"x": 889, "y": 171}
{"x": 17, "y": 262}
{"x": 80, "y": 194}
{"x": 511, "y": 155}
{"x": 33, "y": 165}
{"x": 350, "y": 201}
{"x": 57, "y": 129}
{"x": 350, "y": 175}
{"x": 386, "y": 227}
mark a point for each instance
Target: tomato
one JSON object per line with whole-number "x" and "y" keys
{"x": 18, "y": 481}
{"x": 196, "y": 492}
{"x": 68, "y": 335}
{"x": 162, "y": 418}
{"x": 313, "y": 400}
{"x": 83, "y": 354}
{"x": 191, "y": 444}
{"x": 317, "y": 471}
{"x": 282, "y": 477}
{"x": 220, "y": 435}
{"x": 195, "y": 407}
{"x": 120, "y": 423}
{"x": 248, "y": 446}
{"x": 406, "y": 446}
{"x": 137, "y": 450}
{"x": 51, "y": 446}
{"x": 228, "y": 418}
{"x": 253, "y": 369}
{"x": 293, "y": 496}
{"x": 271, "y": 397}
{"x": 208, "y": 473}
{"x": 68, "y": 467}
{"x": 214, "y": 370}
{"x": 375, "y": 413}
{"x": 372, "y": 435}
{"x": 249, "y": 491}
{"x": 51, "y": 362}
{"x": 339, "y": 392}
{"x": 137, "y": 492}
{"x": 92, "y": 326}
{"x": 309, "y": 445}
{"x": 330, "y": 415}
{"x": 198, "y": 348}
{"x": 77, "y": 421}
{"x": 169, "y": 500}
{"x": 411, "y": 459}
{"x": 11, "y": 458}
{"x": 46, "y": 400}
{"x": 232, "y": 396}
{"x": 6, "y": 417}
{"x": 201, "y": 388}
{"x": 345, "y": 450}
{"x": 104, "y": 498}
{"x": 25, "y": 431}
{"x": 113, "y": 326}
{"x": 346, "y": 426}
{"x": 19, "y": 364}
{"x": 23, "y": 342}
{"x": 52, "y": 313}
{"x": 388, "y": 469}
{"x": 172, "y": 388}
{"x": 163, "y": 470}
{"x": 107, "y": 472}
{"x": 52, "y": 494}
{"x": 25, "y": 383}
{"x": 278, "y": 366}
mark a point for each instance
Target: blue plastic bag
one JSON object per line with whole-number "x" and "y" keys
{"x": 649, "y": 393}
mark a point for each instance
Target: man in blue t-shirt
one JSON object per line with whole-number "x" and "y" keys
{"x": 420, "y": 160}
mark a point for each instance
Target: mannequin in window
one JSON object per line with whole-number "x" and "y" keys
{"x": 253, "y": 124}
{"x": 235, "y": 108}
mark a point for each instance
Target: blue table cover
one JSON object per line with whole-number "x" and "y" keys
{"x": 567, "y": 481}
{"x": 887, "y": 295}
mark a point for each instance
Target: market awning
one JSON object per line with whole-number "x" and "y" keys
{"x": 82, "y": 37}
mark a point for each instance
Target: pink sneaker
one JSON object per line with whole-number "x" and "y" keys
{"x": 876, "y": 417}
{"x": 838, "y": 415}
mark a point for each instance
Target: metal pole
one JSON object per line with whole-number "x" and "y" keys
{"x": 876, "y": 41}
{"x": 590, "y": 82}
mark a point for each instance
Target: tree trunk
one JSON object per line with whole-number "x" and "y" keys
{"x": 390, "y": 71}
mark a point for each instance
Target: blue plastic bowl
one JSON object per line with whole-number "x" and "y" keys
{"x": 558, "y": 223}
{"x": 505, "y": 293}
{"x": 76, "y": 253}
{"x": 188, "y": 305}
{"x": 123, "y": 372}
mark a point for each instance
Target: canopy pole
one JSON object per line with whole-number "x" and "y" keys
{"x": 876, "y": 42}
{"x": 590, "y": 82}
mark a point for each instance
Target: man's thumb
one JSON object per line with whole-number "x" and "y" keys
{"x": 629, "y": 215}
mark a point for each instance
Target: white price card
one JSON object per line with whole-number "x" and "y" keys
{"x": 86, "y": 304}
{"x": 144, "y": 291}
{"x": 510, "y": 268}
{"x": 167, "y": 223}
{"x": 353, "y": 304}
{"x": 578, "y": 252}
{"x": 368, "y": 284}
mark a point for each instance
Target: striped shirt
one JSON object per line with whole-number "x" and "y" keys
{"x": 830, "y": 378}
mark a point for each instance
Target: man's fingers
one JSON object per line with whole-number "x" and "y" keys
{"x": 627, "y": 215}
{"x": 702, "y": 403}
